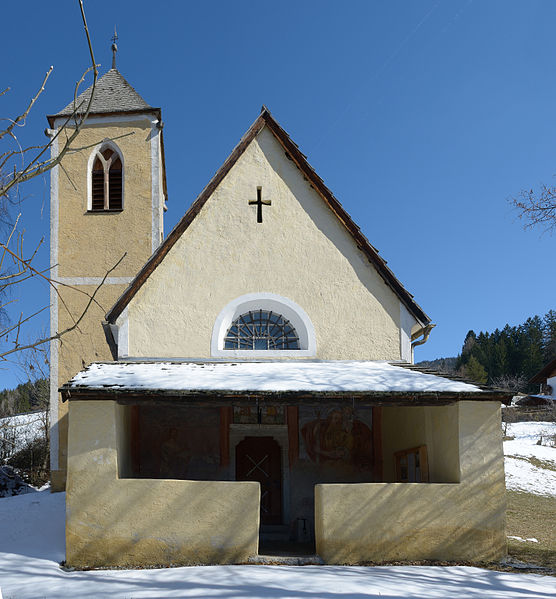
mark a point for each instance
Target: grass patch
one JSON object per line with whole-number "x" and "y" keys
{"x": 545, "y": 464}
{"x": 532, "y": 516}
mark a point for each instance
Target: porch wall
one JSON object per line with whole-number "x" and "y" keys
{"x": 437, "y": 428}
{"x": 121, "y": 522}
{"x": 379, "y": 522}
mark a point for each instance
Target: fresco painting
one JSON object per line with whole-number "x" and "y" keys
{"x": 337, "y": 436}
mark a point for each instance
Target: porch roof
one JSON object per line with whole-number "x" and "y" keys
{"x": 283, "y": 380}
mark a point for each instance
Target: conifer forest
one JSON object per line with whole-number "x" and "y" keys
{"x": 506, "y": 358}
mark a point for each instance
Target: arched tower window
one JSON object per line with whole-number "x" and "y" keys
{"x": 262, "y": 330}
{"x": 106, "y": 181}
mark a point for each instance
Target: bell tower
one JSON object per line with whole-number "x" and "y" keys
{"x": 107, "y": 198}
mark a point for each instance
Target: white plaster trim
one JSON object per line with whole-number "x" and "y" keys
{"x": 54, "y": 216}
{"x": 95, "y": 280}
{"x": 122, "y": 335}
{"x": 279, "y": 432}
{"x": 407, "y": 321}
{"x": 552, "y": 382}
{"x": 108, "y": 118}
{"x": 105, "y": 143}
{"x": 429, "y": 441}
{"x": 265, "y": 301}
{"x": 155, "y": 186}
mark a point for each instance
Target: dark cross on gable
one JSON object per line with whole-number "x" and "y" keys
{"x": 259, "y": 202}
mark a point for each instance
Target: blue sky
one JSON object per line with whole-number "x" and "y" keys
{"x": 423, "y": 117}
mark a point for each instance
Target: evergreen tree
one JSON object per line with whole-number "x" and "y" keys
{"x": 501, "y": 362}
{"x": 549, "y": 329}
{"x": 475, "y": 371}
{"x": 533, "y": 359}
{"x": 513, "y": 354}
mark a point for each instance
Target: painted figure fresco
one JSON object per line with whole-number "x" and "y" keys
{"x": 339, "y": 437}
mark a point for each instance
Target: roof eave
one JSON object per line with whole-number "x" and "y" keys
{"x": 184, "y": 222}
{"x": 266, "y": 119}
{"x": 362, "y": 242}
{"x": 224, "y": 396}
{"x": 544, "y": 372}
{"x": 147, "y": 110}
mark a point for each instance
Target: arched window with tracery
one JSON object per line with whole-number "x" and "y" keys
{"x": 261, "y": 330}
{"x": 107, "y": 181}
{"x": 263, "y": 325}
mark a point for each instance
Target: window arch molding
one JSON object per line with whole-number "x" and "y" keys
{"x": 264, "y": 301}
{"x": 106, "y": 144}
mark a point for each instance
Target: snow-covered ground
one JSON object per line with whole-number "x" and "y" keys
{"x": 521, "y": 473}
{"x": 32, "y": 544}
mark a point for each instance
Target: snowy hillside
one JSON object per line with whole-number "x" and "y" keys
{"x": 22, "y": 428}
{"x": 530, "y": 468}
{"x": 16, "y": 432}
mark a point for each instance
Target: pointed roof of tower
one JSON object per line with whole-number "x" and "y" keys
{"x": 113, "y": 94}
{"x": 265, "y": 119}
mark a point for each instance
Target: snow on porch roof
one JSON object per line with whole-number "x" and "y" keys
{"x": 287, "y": 376}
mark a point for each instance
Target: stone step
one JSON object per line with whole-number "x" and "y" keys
{"x": 286, "y": 560}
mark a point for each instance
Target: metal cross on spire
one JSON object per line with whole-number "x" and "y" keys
{"x": 114, "y": 47}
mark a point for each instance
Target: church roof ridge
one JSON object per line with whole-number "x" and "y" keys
{"x": 265, "y": 119}
{"x": 113, "y": 94}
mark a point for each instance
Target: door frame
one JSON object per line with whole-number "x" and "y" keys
{"x": 279, "y": 432}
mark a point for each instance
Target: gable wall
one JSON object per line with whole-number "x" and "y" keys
{"x": 300, "y": 251}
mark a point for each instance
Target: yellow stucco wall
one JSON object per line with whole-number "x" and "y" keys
{"x": 112, "y": 521}
{"x": 88, "y": 245}
{"x": 193, "y": 522}
{"x": 78, "y": 348}
{"x": 437, "y": 428}
{"x": 410, "y": 521}
{"x": 91, "y": 243}
{"x": 299, "y": 251}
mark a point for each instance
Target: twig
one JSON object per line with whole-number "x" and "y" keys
{"x": 70, "y": 328}
{"x": 35, "y": 168}
{"x": 23, "y": 116}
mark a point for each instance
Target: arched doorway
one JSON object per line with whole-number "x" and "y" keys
{"x": 259, "y": 459}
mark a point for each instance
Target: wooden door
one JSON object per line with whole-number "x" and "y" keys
{"x": 259, "y": 459}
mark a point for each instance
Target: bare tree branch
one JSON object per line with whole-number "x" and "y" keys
{"x": 35, "y": 167}
{"x": 21, "y": 118}
{"x": 17, "y": 166}
{"x": 537, "y": 208}
{"x": 72, "y": 327}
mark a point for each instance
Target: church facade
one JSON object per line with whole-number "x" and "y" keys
{"x": 251, "y": 381}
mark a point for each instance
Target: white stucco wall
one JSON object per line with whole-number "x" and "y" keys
{"x": 300, "y": 251}
{"x": 407, "y": 322}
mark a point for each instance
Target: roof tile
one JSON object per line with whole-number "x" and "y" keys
{"x": 112, "y": 94}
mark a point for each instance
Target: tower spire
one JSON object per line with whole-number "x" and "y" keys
{"x": 114, "y": 47}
